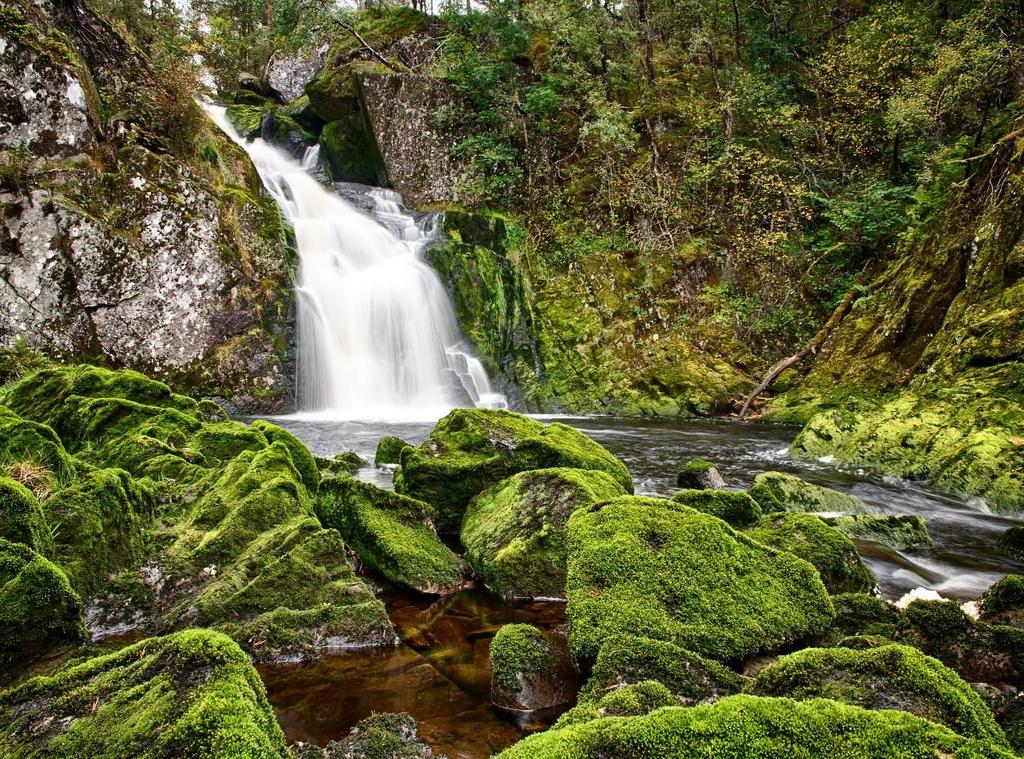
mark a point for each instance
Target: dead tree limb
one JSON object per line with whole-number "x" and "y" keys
{"x": 812, "y": 347}
{"x": 367, "y": 46}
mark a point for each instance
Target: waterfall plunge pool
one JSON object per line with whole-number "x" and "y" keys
{"x": 440, "y": 673}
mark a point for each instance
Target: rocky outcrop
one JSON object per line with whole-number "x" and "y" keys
{"x": 140, "y": 238}
{"x": 288, "y": 73}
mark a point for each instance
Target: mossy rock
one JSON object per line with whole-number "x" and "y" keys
{"x": 832, "y": 554}
{"x": 625, "y": 660}
{"x": 778, "y": 491}
{"x": 655, "y": 568}
{"x": 192, "y": 694}
{"x": 100, "y": 526}
{"x": 22, "y": 519}
{"x": 472, "y": 449}
{"x": 38, "y": 608}
{"x": 348, "y": 145}
{"x": 515, "y": 532}
{"x": 860, "y": 614}
{"x": 889, "y": 677}
{"x": 699, "y": 474}
{"x": 749, "y": 726}
{"x": 344, "y": 464}
{"x": 389, "y": 450}
{"x": 391, "y": 533}
{"x": 33, "y": 452}
{"x": 302, "y": 459}
{"x": 731, "y": 506}
{"x": 977, "y": 651}
{"x": 219, "y": 442}
{"x": 628, "y": 701}
{"x": 379, "y": 736}
{"x": 1011, "y": 543}
{"x": 1003, "y": 603}
{"x": 530, "y": 670}
{"x": 901, "y": 532}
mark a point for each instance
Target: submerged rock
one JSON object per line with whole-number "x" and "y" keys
{"x": 732, "y": 506}
{"x": 834, "y": 556}
{"x": 392, "y": 533}
{"x": 191, "y": 694}
{"x": 380, "y": 736}
{"x": 472, "y": 449}
{"x": 901, "y": 532}
{"x": 389, "y": 450}
{"x": 889, "y": 677}
{"x": 699, "y": 474}
{"x": 748, "y": 725}
{"x": 530, "y": 670}
{"x": 515, "y": 532}
{"x": 778, "y": 491}
{"x": 655, "y": 568}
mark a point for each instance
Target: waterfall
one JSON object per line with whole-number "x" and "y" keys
{"x": 377, "y": 335}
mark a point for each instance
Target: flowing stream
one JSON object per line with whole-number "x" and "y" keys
{"x": 377, "y": 335}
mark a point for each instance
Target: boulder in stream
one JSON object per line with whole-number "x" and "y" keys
{"x": 389, "y": 450}
{"x": 379, "y": 736}
{"x": 1003, "y": 603}
{"x": 699, "y": 474}
{"x": 515, "y": 532}
{"x": 732, "y": 506}
{"x": 655, "y": 568}
{"x": 900, "y": 532}
{"x": 779, "y": 491}
{"x": 530, "y": 670}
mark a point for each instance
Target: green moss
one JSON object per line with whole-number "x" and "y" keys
{"x": 30, "y": 444}
{"x": 625, "y": 659}
{"x": 748, "y": 726}
{"x": 889, "y": 677}
{"x": 472, "y": 449}
{"x": 832, "y": 554}
{"x": 38, "y": 608}
{"x": 380, "y": 736}
{"x": 350, "y": 149}
{"x": 1011, "y": 718}
{"x": 733, "y": 507}
{"x": 628, "y": 701}
{"x": 520, "y": 655}
{"x": 1003, "y": 603}
{"x": 302, "y": 459}
{"x": 106, "y": 508}
{"x": 22, "y": 519}
{"x": 220, "y": 442}
{"x": 515, "y": 532}
{"x": 391, "y": 533}
{"x": 859, "y": 614}
{"x": 343, "y": 464}
{"x": 655, "y": 568}
{"x": 192, "y": 694}
{"x": 900, "y": 532}
{"x": 778, "y": 491}
{"x": 699, "y": 474}
{"x": 1011, "y": 542}
{"x": 389, "y": 450}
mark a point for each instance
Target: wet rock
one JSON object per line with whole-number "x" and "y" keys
{"x": 737, "y": 724}
{"x": 190, "y": 694}
{"x": 655, "y": 568}
{"x": 381, "y": 736}
{"x": 392, "y": 533}
{"x": 472, "y": 449}
{"x": 1003, "y": 603}
{"x": 1011, "y": 542}
{"x": 288, "y": 74}
{"x": 515, "y": 532}
{"x": 889, "y": 677}
{"x": 389, "y": 450}
{"x": 345, "y": 463}
{"x": 834, "y": 555}
{"x": 530, "y": 670}
{"x": 778, "y": 491}
{"x": 699, "y": 474}
{"x": 901, "y": 532}
{"x": 731, "y": 506}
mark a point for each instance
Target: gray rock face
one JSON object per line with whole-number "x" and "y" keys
{"x": 400, "y": 109}
{"x": 288, "y": 74}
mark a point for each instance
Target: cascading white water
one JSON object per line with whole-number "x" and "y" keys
{"x": 377, "y": 336}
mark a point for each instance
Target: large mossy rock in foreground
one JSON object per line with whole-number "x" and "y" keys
{"x": 515, "y": 532}
{"x": 889, "y": 677}
{"x": 192, "y": 694}
{"x": 471, "y": 449}
{"x": 762, "y": 728}
{"x": 655, "y": 568}
{"x": 391, "y": 533}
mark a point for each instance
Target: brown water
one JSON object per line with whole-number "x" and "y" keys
{"x": 440, "y": 674}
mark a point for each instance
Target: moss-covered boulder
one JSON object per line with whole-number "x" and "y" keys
{"x": 21, "y": 517}
{"x": 625, "y": 660}
{"x": 472, "y": 449}
{"x": 38, "y": 608}
{"x": 627, "y": 701}
{"x": 734, "y": 507}
{"x": 655, "y": 568}
{"x": 744, "y": 726}
{"x": 889, "y": 677}
{"x": 379, "y": 736}
{"x": 778, "y": 491}
{"x": 832, "y": 554}
{"x": 1011, "y": 542}
{"x": 389, "y": 450}
{"x": 977, "y": 651}
{"x": 699, "y": 474}
{"x": 33, "y": 453}
{"x": 530, "y": 670}
{"x": 192, "y": 694}
{"x": 901, "y": 532}
{"x": 348, "y": 146}
{"x": 860, "y": 614}
{"x": 344, "y": 464}
{"x": 1003, "y": 603}
{"x": 515, "y": 532}
{"x": 391, "y": 533}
